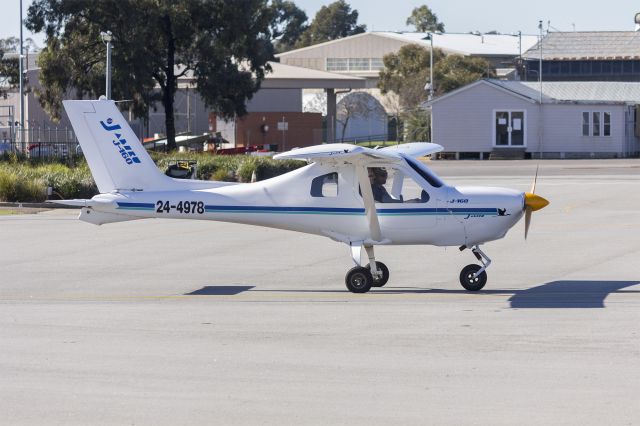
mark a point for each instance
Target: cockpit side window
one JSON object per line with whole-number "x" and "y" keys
{"x": 391, "y": 185}
{"x": 325, "y": 185}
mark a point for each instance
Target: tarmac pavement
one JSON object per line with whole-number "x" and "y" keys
{"x": 161, "y": 322}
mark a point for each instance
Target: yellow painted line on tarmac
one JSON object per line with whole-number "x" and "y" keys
{"x": 391, "y": 293}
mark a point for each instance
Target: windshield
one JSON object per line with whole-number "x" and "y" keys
{"x": 423, "y": 171}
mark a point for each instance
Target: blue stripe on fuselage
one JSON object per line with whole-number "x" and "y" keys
{"x": 326, "y": 210}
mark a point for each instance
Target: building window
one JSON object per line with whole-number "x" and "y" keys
{"x": 600, "y": 123}
{"x": 376, "y": 64}
{"x": 358, "y": 64}
{"x": 354, "y": 64}
{"x": 596, "y": 124}
{"x": 337, "y": 64}
{"x": 585, "y": 124}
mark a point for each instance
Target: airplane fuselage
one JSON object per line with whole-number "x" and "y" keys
{"x": 452, "y": 216}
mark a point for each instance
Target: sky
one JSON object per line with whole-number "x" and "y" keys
{"x": 505, "y": 16}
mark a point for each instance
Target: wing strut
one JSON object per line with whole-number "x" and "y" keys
{"x": 369, "y": 202}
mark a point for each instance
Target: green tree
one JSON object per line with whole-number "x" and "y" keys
{"x": 424, "y": 20}
{"x": 454, "y": 71}
{"x": 287, "y": 25}
{"x": 9, "y": 65}
{"x": 224, "y": 45}
{"x": 406, "y": 74}
{"x": 417, "y": 125}
{"x": 334, "y": 21}
{"x": 9, "y": 72}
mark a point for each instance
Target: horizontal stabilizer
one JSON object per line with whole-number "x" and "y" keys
{"x": 100, "y": 218}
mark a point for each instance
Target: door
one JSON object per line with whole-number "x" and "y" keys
{"x": 509, "y": 128}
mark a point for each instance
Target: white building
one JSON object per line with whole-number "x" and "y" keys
{"x": 514, "y": 119}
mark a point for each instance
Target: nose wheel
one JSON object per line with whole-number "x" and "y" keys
{"x": 473, "y": 277}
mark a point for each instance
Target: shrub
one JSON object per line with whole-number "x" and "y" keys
{"x": 7, "y": 186}
{"x": 14, "y": 188}
{"x": 26, "y": 180}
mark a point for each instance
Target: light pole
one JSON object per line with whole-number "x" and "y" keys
{"x": 107, "y": 37}
{"x": 540, "y": 63}
{"x": 21, "y": 78}
{"x": 431, "y": 67}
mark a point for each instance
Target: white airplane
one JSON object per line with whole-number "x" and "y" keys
{"x": 354, "y": 195}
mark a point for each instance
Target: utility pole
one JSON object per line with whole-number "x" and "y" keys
{"x": 107, "y": 38}
{"x": 21, "y": 78}
{"x": 540, "y": 63}
{"x": 540, "y": 109}
{"x": 431, "y": 67}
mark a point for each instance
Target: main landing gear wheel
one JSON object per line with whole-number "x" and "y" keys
{"x": 467, "y": 278}
{"x": 382, "y": 280}
{"x": 359, "y": 280}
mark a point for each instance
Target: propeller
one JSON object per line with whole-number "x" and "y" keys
{"x": 532, "y": 203}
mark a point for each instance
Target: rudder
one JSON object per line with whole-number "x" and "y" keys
{"x": 117, "y": 159}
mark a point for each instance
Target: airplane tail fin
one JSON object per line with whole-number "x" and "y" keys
{"x": 117, "y": 159}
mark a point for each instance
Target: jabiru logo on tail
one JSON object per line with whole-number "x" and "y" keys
{"x": 120, "y": 143}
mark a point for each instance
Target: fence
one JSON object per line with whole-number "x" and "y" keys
{"x": 42, "y": 142}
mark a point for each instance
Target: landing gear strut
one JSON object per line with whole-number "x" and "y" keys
{"x": 361, "y": 278}
{"x": 473, "y": 277}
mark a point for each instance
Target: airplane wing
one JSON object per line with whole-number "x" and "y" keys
{"x": 342, "y": 151}
{"x": 412, "y": 149}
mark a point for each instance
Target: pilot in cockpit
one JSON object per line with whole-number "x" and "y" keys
{"x": 378, "y": 178}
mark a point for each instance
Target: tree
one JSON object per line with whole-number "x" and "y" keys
{"x": 406, "y": 73}
{"x": 9, "y": 66}
{"x": 418, "y": 125}
{"x": 331, "y": 22}
{"x": 287, "y": 25}
{"x": 224, "y": 45}
{"x": 424, "y": 20}
{"x": 454, "y": 71}
{"x": 9, "y": 72}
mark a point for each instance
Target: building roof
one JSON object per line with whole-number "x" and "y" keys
{"x": 587, "y": 45}
{"x": 558, "y": 92}
{"x": 288, "y": 77}
{"x": 463, "y": 44}
{"x": 555, "y": 92}
{"x": 576, "y": 91}
{"x": 470, "y": 44}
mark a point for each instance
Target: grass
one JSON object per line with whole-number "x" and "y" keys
{"x": 25, "y": 180}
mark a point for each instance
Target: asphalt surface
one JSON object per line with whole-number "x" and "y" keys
{"x": 161, "y": 322}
